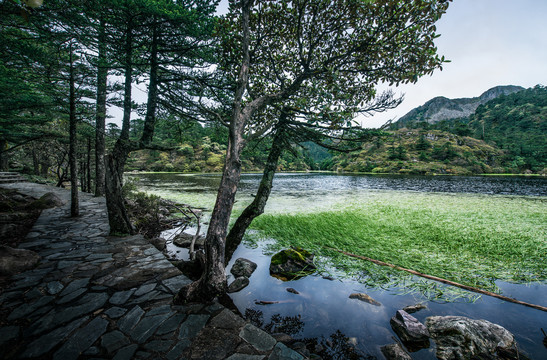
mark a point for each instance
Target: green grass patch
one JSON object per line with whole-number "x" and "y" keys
{"x": 471, "y": 239}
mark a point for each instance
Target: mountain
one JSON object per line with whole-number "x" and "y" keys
{"x": 441, "y": 108}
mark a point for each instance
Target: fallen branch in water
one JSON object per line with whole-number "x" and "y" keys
{"x": 444, "y": 281}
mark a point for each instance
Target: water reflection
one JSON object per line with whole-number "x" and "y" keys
{"x": 336, "y": 346}
{"x": 323, "y": 314}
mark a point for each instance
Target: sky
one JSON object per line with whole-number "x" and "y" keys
{"x": 489, "y": 43}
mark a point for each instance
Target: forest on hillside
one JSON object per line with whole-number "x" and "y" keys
{"x": 514, "y": 124}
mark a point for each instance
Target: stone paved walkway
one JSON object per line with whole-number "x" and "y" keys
{"x": 98, "y": 297}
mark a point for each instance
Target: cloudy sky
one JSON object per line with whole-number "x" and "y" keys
{"x": 489, "y": 43}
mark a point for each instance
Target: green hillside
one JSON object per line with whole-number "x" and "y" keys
{"x": 418, "y": 151}
{"x": 516, "y": 123}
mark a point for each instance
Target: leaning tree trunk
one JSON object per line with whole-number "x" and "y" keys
{"x": 256, "y": 208}
{"x": 115, "y": 162}
{"x": 117, "y": 213}
{"x": 74, "y": 201}
{"x": 102, "y": 77}
{"x": 213, "y": 279}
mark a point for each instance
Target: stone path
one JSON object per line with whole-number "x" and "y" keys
{"x": 98, "y": 297}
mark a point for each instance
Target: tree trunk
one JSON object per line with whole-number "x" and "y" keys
{"x": 256, "y": 208}
{"x": 74, "y": 201}
{"x": 150, "y": 118}
{"x": 115, "y": 162}
{"x": 213, "y": 280}
{"x": 35, "y": 161}
{"x": 117, "y": 213}
{"x": 102, "y": 77}
{"x": 88, "y": 166}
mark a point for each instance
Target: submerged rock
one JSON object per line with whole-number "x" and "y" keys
{"x": 365, "y": 298}
{"x": 185, "y": 240}
{"x": 395, "y": 352}
{"x": 13, "y": 261}
{"x": 238, "y": 284}
{"x": 243, "y": 267}
{"x": 458, "y": 337}
{"x": 411, "y": 309}
{"x": 292, "y": 264}
{"x": 411, "y": 332}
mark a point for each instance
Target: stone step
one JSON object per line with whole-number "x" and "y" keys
{"x": 11, "y": 177}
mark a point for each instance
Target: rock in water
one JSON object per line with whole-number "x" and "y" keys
{"x": 292, "y": 264}
{"x": 243, "y": 267}
{"x": 238, "y": 284}
{"x": 364, "y": 297}
{"x": 458, "y": 337}
{"x": 395, "y": 352}
{"x": 414, "y": 308}
{"x": 411, "y": 332}
{"x": 185, "y": 240}
{"x": 13, "y": 260}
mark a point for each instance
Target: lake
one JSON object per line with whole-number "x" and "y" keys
{"x": 322, "y": 309}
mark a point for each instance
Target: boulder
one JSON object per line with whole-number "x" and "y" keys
{"x": 458, "y": 337}
{"x": 158, "y": 242}
{"x": 184, "y": 240}
{"x": 411, "y": 309}
{"x": 412, "y": 333}
{"x": 365, "y": 298}
{"x": 48, "y": 200}
{"x": 13, "y": 261}
{"x": 243, "y": 267}
{"x": 292, "y": 264}
{"x": 395, "y": 352}
{"x": 238, "y": 284}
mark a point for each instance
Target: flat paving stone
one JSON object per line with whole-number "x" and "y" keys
{"x": 258, "y": 338}
{"x": 159, "y": 346}
{"x": 87, "y": 304}
{"x": 27, "y": 309}
{"x": 54, "y": 287}
{"x": 81, "y": 340}
{"x": 115, "y": 312}
{"x": 126, "y": 353}
{"x": 114, "y": 340}
{"x": 176, "y": 283}
{"x": 171, "y": 324}
{"x": 48, "y": 341}
{"x": 72, "y": 296}
{"x": 146, "y": 327}
{"x": 75, "y": 285}
{"x": 162, "y": 309}
{"x": 192, "y": 326}
{"x": 227, "y": 320}
{"x": 128, "y": 322}
{"x": 121, "y": 297}
{"x": 145, "y": 289}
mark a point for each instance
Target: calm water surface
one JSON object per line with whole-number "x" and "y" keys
{"x": 322, "y": 306}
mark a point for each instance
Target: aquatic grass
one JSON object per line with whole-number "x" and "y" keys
{"x": 471, "y": 239}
